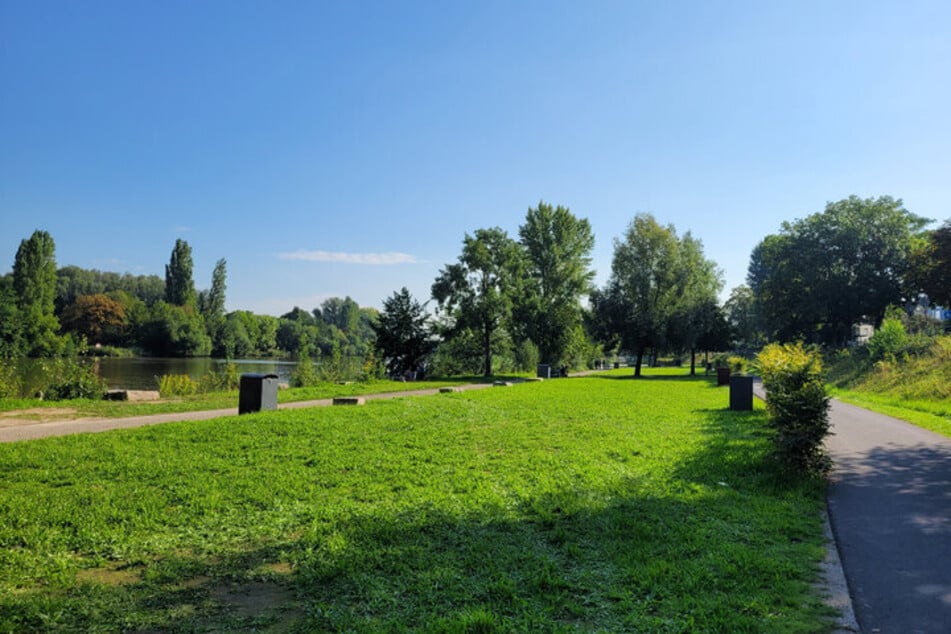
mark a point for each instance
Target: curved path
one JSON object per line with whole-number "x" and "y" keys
{"x": 890, "y": 509}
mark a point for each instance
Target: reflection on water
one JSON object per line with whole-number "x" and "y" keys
{"x": 144, "y": 373}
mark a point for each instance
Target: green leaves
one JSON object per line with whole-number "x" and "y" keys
{"x": 798, "y": 405}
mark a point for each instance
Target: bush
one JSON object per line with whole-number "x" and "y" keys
{"x": 888, "y": 341}
{"x": 304, "y": 374}
{"x": 177, "y": 385}
{"x": 224, "y": 380}
{"x": 527, "y": 356}
{"x": 798, "y": 406}
{"x": 737, "y": 364}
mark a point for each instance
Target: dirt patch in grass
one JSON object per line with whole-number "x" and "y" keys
{"x": 117, "y": 575}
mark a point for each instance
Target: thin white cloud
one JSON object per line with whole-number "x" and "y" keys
{"x": 376, "y": 259}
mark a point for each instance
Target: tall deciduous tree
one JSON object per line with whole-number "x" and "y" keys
{"x": 402, "y": 333}
{"x": 742, "y": 315}
{"x": 932, "y": 265}
{"x": 558, "y": 248}
{"x": 475, "y": 292}
{"x": 34, "y": 285}
{"x": 823, "y": 273}
{"x": 179, "y": 284}
{"x": 695, "y": 318}
{"x": 644, "y": 290}
{"x": 11, "y": 343}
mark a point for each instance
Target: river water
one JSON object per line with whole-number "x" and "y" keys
{"x": 144, "y": 373}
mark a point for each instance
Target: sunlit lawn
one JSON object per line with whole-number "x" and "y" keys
{"x": 596, "y": 504}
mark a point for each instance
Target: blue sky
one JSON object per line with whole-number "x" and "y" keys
{"x": 345, "y": 148}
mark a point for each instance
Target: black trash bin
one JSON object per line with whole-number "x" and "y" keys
{"x": 741, "y": 393}
{"x": 543, "y": 371}
{"x": 258, "y": 392}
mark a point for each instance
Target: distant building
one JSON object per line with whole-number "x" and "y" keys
{"x": 861, "y": 333}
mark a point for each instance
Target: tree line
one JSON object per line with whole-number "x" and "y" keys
{"x": 519, "y": 301}
{"x": 510, "y": 302}
{"x": 47, "y": 311}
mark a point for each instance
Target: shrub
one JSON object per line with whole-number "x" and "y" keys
{"x": 527, "y": 356}
{"x": 737, "y": 364}
{"x": 798, "y": 406}
{"x": 224, "y": 380}
{"x": 303, "y": 374}
{"x": 888, "y": 341}
{"x": 177, "y": 385}
{"x": 372, "y": 368}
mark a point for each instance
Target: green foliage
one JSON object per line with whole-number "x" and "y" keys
{"x": 461, "y": 355}
{"x": 402, "y": 333}
{"x": 171, "y": 385}
{"x": 179, "y": 284}
{"x": 536, "y": 508}
{"x": 527, "y": 356}
{"x": 175, "y": 331}
{"x": 304, "y": 374}
{"x": 224, "y": 380}
{"x": 34, "y": 286}
{"x": 70, "y": 379}
{"x": 476, "y": 293}
{"x": 547, "y": 298}
{"x": 798, "y": 405}
{"x": 824, "y": 273}
{"x": 737, "y": 364}
{"x": 931, "y": 265}
{"x": 53, "y": 379}
{"x": 371, "y": 369}
{"x": 661, "y": 294}
{"x": 889, "y": 340}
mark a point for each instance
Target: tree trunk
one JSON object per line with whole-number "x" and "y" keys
{"x": 637, "y": 365}
{"x": 487, "y": 352}
{"x": 693, "y": 362}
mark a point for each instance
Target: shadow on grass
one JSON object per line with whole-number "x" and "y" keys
{"x": 890, "y": 506}
{"x": 722, "y": 547}
{"x": 653, "y": 377}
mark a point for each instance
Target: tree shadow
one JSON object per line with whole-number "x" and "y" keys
{"x": 891, "y": 515}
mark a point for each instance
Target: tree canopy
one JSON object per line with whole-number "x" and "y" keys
{"x": 34, "y": 286}
{"x": 179, "y": 284}
{"x": 558, "y": 249}
{"x": 659, "y": 293}
{"x": 476, "y": 291}
{"x": 820, "y": 275}
{"x": 402, "y": 333}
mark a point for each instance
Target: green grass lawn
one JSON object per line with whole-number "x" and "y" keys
{"x": 589, "y": 504}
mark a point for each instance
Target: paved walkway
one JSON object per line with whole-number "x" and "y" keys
{"x": 27, "y": 430}
{"x": 890, "y": 509}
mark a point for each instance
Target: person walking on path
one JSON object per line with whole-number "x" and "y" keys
{"x": 890, "y": 509}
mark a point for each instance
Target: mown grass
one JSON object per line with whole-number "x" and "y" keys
{"x": 595, "y": 504}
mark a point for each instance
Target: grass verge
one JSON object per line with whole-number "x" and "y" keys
{"x": 929, "y": 414}
{"x": 589, "y": 504}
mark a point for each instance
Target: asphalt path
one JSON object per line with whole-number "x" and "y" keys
{"x": 890, "y": 510}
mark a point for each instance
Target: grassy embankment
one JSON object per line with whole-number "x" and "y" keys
{"x": 916, "y": 389}
{"x": 588, "y": 504}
